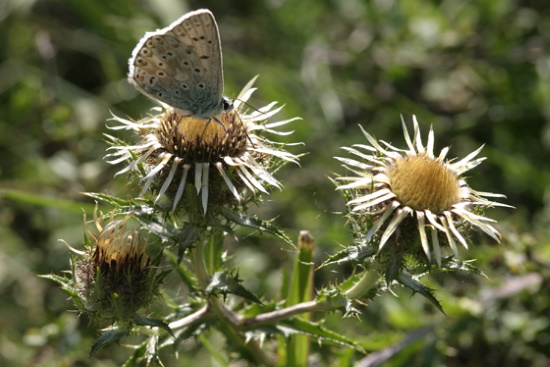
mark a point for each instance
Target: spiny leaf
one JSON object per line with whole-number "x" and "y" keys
{"x": 109, "y": 199}
{"x": 297, "y": 325}
{"x": 452, "y": 264}
{"x": 188, "y": 236}
{"x": 417, "y": 287}
{"x": 62, "y": 281}
{"x": 252, "y": 221}
{"x": 148, "y": 321}
{"x": 395, "y": 266}
{"x": 224, "y": 283}
{"x": 108, "y": 337}
{"x": 356, "y": 254}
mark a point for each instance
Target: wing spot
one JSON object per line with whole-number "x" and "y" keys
{"x": 195, "y": 39}
{"x": 202, "y": 37}
{"x": 160, "y": 64}
{"x": 200, "y": 85}
{"x": 197, "y": 70}
{"x": 152, "y": 80}
{"x": 205, "y": 57}
{"x": 184, "y": 86}
{"x": 186, "y": 63}
{"x": 209, "y": 42}
{"x": 188, "y": 51}
{"x": 161, "y": 73}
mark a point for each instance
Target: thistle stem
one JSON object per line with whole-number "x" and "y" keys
{"x": 286, "y": 312}
{"x": 225, "y": 315}
{"x": 189, "y": 319}
{"x": 359, "y": 289}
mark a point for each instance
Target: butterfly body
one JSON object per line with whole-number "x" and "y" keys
{"x": 181, "y": 66}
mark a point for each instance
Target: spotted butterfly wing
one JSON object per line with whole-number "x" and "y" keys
{"x": 181, "y": 65}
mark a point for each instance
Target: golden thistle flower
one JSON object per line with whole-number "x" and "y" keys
{"x": 225, "y": 157}
{"x": 395, "y": 185}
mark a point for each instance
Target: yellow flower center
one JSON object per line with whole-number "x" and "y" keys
{"x": 198, "y": 140}
{"x": 424, "y": 183}
{"x": 205, "y": 130}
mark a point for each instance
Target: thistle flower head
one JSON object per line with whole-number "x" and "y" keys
{"x": 224, "y": 160}
{"x": 114, "y": 279}
{"x": 413, "y": 191}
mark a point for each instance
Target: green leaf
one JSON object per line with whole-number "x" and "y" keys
{"x": 316, "y": 331}
{"x": 185, "y": 274}
{"x": 252, "y": 221}
{"x": 301, "y": 290}
{"x": 395, "y": 266}
{"x": 224, "y": 283}
{"x": 137, "y": 356}
{"x": 408, "y": 281}
{"x": 46, "y": 201}
{"x": 148, "y": 321}
{"x": 214, "y": 251}
{"x": 108, "y": 337}
{"x": 63, "y": 281}
{"x": 452, "y": 264}
{"x": 109, "y": 199}
{"x": 188, "y": 236}
{"x": 214, "y": 351}
{"x": 356, "y": 254}
{"x": 195, "y": 329}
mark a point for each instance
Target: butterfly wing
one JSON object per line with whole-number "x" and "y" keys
{"x": 181, "y": 65}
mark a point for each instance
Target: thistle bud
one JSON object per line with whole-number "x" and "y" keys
{"x": 115, "y": 279}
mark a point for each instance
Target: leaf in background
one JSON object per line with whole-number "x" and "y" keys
{"x": 46, "y": 201}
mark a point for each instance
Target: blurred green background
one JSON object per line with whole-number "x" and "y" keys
{"x": 477, "y": 71}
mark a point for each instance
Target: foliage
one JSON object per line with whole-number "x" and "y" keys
{"x": 477, "y": 71}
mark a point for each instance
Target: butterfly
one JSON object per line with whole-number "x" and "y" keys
{"x": 181, "y": 66}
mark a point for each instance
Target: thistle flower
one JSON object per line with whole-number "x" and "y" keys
{"x": 115, "y": 278}
{"x": 403, "y": 189}
{"x": 225, "y": 157}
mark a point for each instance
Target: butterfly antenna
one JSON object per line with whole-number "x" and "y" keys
{"x": 246, "y": 132}
{"x": 247, "y": 104}
{"x": 215, "y": 120}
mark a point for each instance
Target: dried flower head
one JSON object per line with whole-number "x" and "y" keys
{"x": 115, "y": 278}
{"x": 224, "y": 158}
{"x": 403, "y": 189}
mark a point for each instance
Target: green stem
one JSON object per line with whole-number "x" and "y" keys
{"x": 199, "y": 266}
{"x": 189, "y": 319}
{"x": 286, "y": 312}
{"x": 225, "y": 315}
{"x": 366, "y": 283}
